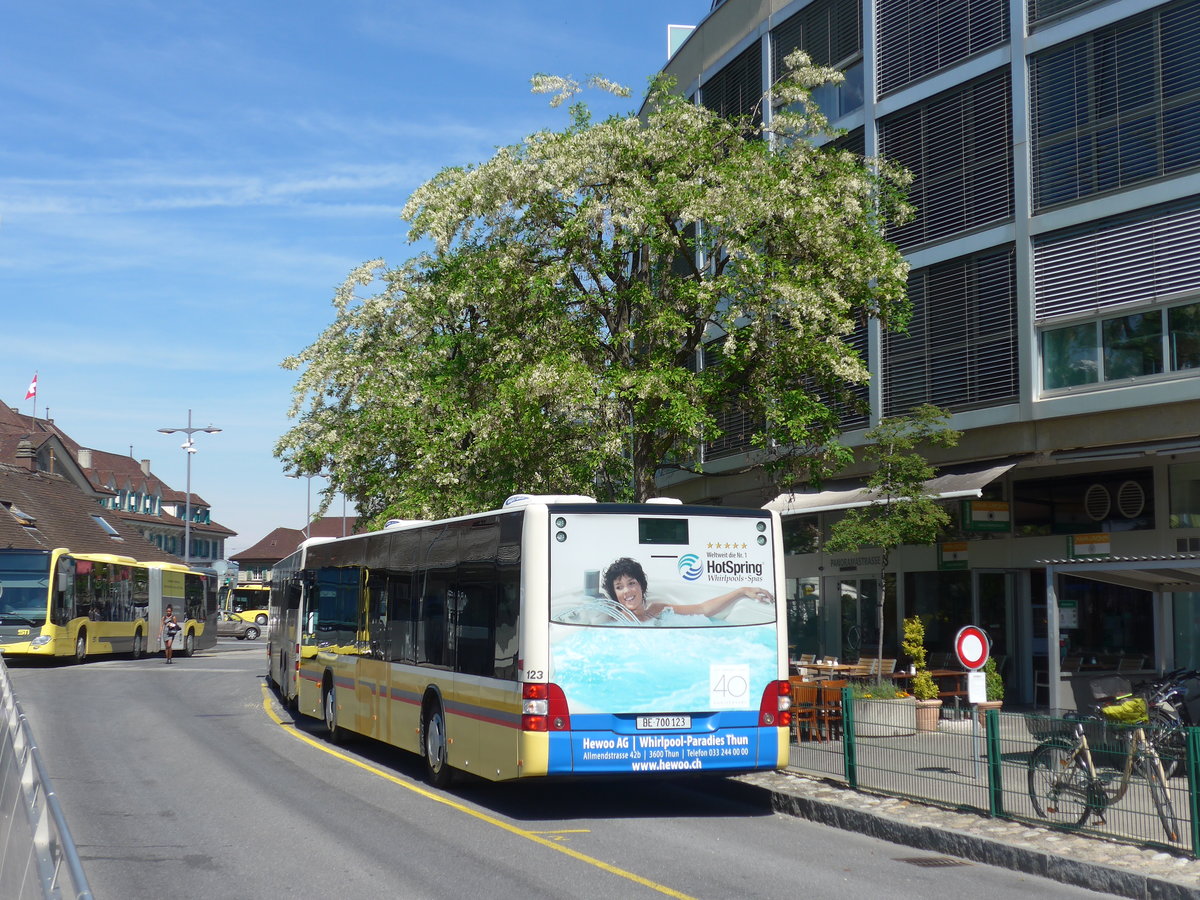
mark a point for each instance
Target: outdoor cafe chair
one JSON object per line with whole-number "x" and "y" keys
{"x": 831, "y": 705}
{"x": 805, "y": 709}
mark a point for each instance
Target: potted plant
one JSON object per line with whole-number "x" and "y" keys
{"x": 881, "y": 709}
{"x": 994, "y": 683}
{"x": 924, "y": 689}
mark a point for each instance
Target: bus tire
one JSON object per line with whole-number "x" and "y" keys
{"x": 189, "y": 644}
{"x": 260, "y": 620}
{"x": 139, "y": 645}
{"x": 433, "y": 745}
{"x": 329, "y": 706}
{"x": 81, "y": 646}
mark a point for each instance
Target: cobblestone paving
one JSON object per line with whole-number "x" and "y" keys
{"x": 1101, "y": 865}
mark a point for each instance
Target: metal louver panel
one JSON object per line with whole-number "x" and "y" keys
{"x": 920, "y": 37}
{"x": 829, "y": 31}
{"x": 1097, "y": 502}
{"x": 1131, "y": 499}
{"x": 1118, "y": 106}
{"x": 958, "y": 146}
{"x": 961, "y": 347}
{"x": 853, "y": 414}
{"x": 1124, "y": 259}
{"x": 737, "y": 89}
{"x": 1044, "y": 9}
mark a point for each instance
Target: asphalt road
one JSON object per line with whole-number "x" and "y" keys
{"x": 189, "y": 781}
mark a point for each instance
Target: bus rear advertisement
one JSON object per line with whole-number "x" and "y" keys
{"x": 554, "y": 637}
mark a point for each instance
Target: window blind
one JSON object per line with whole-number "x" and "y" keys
{"x": 920, "y": 37}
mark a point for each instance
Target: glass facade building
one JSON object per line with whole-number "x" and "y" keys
{"x": 1055, "y": 285}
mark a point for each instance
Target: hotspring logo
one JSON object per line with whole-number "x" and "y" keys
{"x": 690, "y": 567}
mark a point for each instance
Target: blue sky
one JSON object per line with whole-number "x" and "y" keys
{"x": 184, "y": 184}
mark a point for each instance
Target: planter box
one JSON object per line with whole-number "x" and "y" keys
{"x": 885, "y": 718}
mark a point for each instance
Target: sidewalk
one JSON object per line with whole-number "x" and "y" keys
{"x": 1072, "y": 859}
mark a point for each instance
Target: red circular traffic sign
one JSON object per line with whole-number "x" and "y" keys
{"x": 971, "y": 645}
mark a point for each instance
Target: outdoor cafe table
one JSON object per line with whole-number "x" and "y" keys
{"x": 824, "y": 670}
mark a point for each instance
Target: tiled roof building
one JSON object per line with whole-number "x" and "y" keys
{"x": 124, "y": 488}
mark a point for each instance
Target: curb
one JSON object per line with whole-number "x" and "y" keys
{"x": 1066, "y": 870}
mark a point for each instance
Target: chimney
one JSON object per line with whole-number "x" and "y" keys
{"x": 145, "y": 467}
{"x": 85, "y": 458}
{"x": 25, "y": 451}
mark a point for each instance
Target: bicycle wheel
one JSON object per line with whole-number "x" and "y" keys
{"x": 1162, "y": 799}
{"x": 1058, "y": 784}
{"x": 1166, "y": 731}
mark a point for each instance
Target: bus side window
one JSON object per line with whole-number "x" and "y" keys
{"x": 401, "y": 645}
{"x": 504, "y": 662}
{"x": 475, "y": 628}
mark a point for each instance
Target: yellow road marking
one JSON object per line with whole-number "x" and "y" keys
{"x": 534, "y": 836}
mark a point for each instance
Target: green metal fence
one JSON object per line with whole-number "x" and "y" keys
{"x": 982, "y": 763}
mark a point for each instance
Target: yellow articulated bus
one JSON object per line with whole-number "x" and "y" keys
{"x": 554, "y": 637}
{"x": 61, "y": 604}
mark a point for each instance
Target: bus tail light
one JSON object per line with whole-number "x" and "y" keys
{"x": 776, "y": 706}
{"x": 544, "y": 708}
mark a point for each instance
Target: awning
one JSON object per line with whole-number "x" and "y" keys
{"x": 1162, "y": 574}
{"x": 954, "y": 482}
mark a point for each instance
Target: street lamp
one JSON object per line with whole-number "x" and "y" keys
{"x": 308, "y": 508}
{"x": 189, "y": 447}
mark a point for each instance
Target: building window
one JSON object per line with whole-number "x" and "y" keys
{"x": 1185, "y": 495}
{"x": 736, "y": 90}
{"x": 1040, "y": 10}
{"x": 958, "y": 145}
{"x": 1117, "y": 107}
{"x": 801, "y": 534}
{"x": 920, "y": 37}
{"x": 1102, "y": 502}
{"x": 960, "y": 350}
{"x": 830, "y": 32}
{"x": 1139, "y": 344}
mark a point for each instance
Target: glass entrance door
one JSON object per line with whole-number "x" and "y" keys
{"x": 857, "y": 630}
{"x": 994, "y": 610}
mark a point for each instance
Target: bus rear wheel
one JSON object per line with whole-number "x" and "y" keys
{"x": 330, "y": 708}
{"x": 433, "y": 731}
{"x": 81, "y": 647}
{"x": 139, "y": 645}
{"x": 189, "y": 644}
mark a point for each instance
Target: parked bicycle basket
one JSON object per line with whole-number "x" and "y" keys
{"x": 1110, "y": 687}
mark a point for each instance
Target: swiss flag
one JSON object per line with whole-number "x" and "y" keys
{"x": 32, "y": 392}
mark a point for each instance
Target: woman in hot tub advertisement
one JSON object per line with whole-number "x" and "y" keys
{"x": 625, "y": 583}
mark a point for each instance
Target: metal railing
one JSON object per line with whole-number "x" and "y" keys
{"x": 983, "y": 763}
{"x": 38, "y": 859}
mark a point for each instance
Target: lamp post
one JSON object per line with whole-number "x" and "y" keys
{"x": 308, "y": 507}
{"x": 189, "y": 447}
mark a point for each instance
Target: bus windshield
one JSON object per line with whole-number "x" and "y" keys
{"x": 24, "y": 580}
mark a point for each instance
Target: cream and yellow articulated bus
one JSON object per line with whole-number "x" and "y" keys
{"x": 554, "y": 637}
{"x": 57, "y": 603}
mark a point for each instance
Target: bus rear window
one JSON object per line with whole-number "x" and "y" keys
{"x": 657, "y": 530}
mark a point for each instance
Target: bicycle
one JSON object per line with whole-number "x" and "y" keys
{"x": 1067, "y": 787}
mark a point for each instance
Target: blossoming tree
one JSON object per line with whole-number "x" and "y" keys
{"x": 553, "y": 337}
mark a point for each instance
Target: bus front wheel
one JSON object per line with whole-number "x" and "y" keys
{"x": 81, "y": 647}
{"x": 139, "y": 645}
{"x": 437, "y": 771}
{"x": 189, "y": 644}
